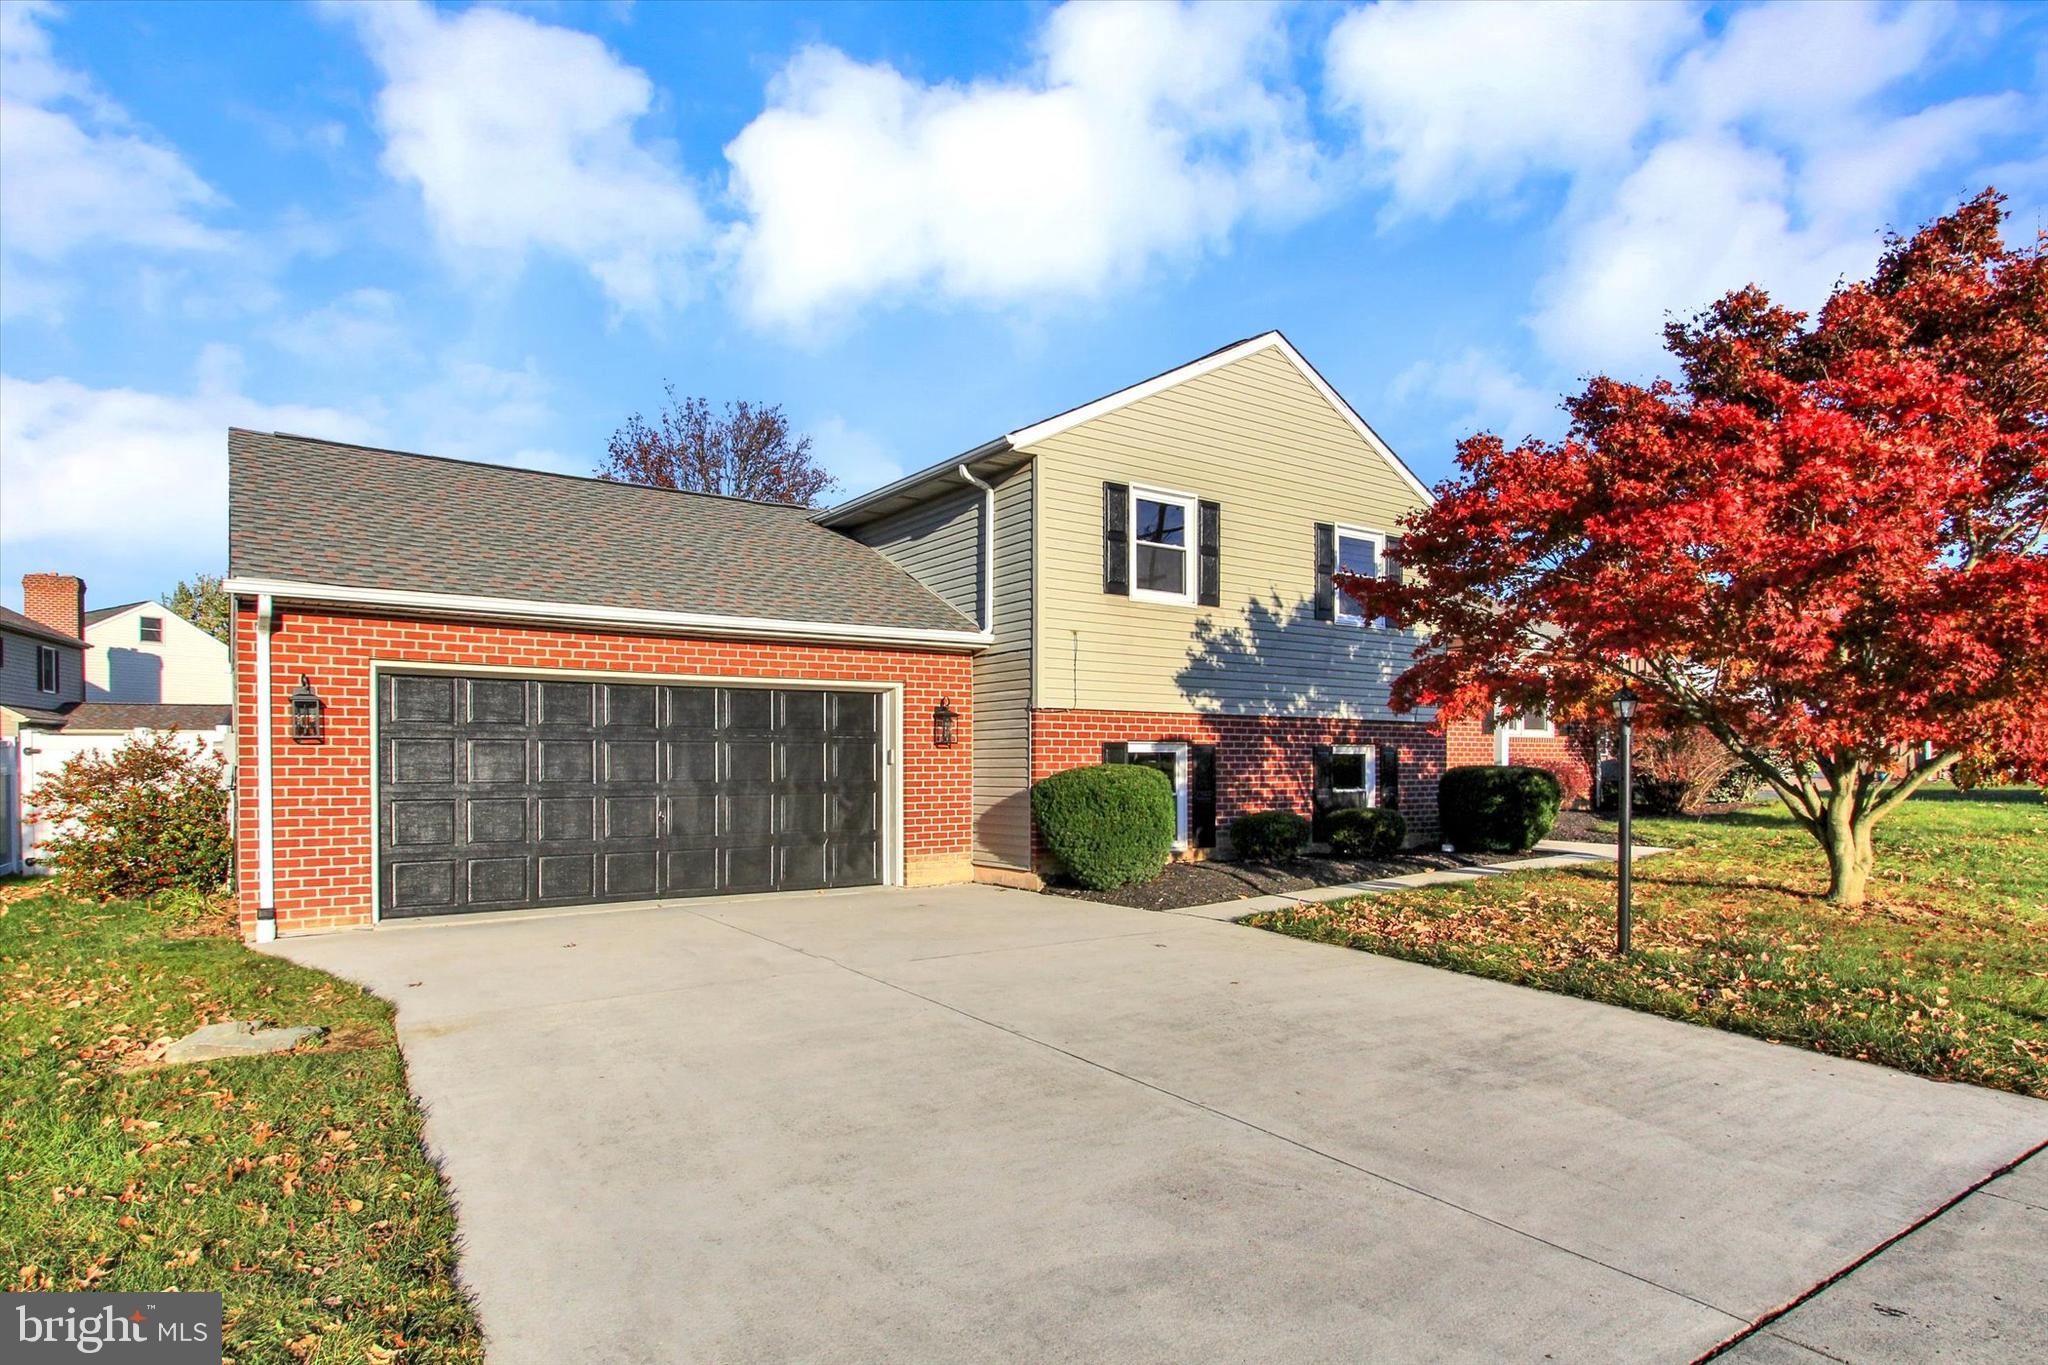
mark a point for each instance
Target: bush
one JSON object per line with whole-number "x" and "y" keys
{"x": 151, "y": 816}
{"x": 1497, "y": 809}
{"x": 1268, "y": 835}
{"x": 1111, "y": 824}
{"x": 1368, "y": 832}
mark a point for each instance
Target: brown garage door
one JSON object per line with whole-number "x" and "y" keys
{"x": 500, "y": 793}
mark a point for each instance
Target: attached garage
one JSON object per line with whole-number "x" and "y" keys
{"x": 532, "y": 690}
{"x": 503, "y": 793}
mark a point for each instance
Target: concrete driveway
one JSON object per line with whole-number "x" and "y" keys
{"x": 968, "y": 1123}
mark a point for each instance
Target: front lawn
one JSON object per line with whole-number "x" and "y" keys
{"x": 293, "y": 1184}
{"x": 1944, "y": 971}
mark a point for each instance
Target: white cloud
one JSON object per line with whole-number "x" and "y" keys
{"x": 1460, "y": 102}
{"x": 124, "y": 472}
{"x": 855, "y": 458}
{"x": 75, "y": 172}
{"x": 520, "y": 137}
{"x": 1477, "y": 390}
{"x": 1140, "y": 133}
{"x": 362, "y": 326}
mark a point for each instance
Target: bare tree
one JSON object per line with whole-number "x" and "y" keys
{"x": 745, "y": 451}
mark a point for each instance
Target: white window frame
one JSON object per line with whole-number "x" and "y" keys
{"x": 1347, "y": 612}
{"x": 1179, "y": 750}
{"x": 1190, "y": 507}
{"x": 56, "y": 669}
{"x": 1371, "y": 768}
{"x": 1518, "y": 725}
{"x": 142, "y": 625}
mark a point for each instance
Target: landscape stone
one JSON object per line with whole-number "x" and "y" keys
{"x": 237, "y": 1038}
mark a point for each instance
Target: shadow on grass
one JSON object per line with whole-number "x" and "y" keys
{"x": 1994, "y": 796}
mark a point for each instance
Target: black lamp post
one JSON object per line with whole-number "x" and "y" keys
{"x": 1625, "y": 708}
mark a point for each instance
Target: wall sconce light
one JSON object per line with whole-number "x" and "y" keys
{"x": 308, "y": 726}
{"x": 943, "y": 716}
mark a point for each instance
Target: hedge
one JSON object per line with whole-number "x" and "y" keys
{"x": 1368, "y": 832}
{"x": 1268, "y": 835}
{"x": 1497, "y": 809}
{"x": 1110, "y": 825}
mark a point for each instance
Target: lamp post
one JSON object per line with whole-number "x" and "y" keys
{"x": 1625, "y": 708}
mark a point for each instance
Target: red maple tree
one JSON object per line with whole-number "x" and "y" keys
{"x": 1826, "y": 541}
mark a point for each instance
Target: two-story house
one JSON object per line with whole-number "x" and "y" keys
{"x": 143, "y": 652}
{"x": 1162, "y": 584}
{"x": 465, "y": 687}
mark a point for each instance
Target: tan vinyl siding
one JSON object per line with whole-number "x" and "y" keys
{"x": 1002, "y": 690}
{"x": 939, "y": 543}
{"x": 1257, "y": 437}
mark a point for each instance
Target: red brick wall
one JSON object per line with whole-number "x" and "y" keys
{"x": 1262, "y": 762}
{"x": 323, "y": 820}
{"x": 1467, "y": 743}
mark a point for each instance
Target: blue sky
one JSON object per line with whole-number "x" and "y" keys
{"x": 492, "y": 232}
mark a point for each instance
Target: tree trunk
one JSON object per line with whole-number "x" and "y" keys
{"x": 1845, "y": 834}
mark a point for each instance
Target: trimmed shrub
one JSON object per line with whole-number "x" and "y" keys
{"x": 1369, "y": 832}
{"x": 1110, "y": 825}
{"x": 1497, "y": 809}
{"x": 151, "y": 816}
{"x": 1267, "y": 836}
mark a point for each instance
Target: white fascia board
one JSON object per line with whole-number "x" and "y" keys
{"x": 584, "y": 614}
{"x": 1067, "y": 421}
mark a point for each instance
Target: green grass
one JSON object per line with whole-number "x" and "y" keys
{"x": 1943, "y": 971}
{"x": 295, "y": 1185}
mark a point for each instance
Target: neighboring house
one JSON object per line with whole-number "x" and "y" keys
{"x": 535, "y": 689}
{"x": 145, "y": 652}
{"x": 46, "y": 717}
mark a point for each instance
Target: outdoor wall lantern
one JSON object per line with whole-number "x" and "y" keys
{"x": 943, "y": 716}
{"x": 1625, "y": 850}
{"x": 307, "y": 709}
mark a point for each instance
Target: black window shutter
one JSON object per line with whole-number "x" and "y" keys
{"x": 1389, "y": 795}
{"x": 1320, "y": 823}
{"x": 1116, "y": 539}
{"x": 1326, "y": 564}
{"x": 1116, "y": 753}
{"x": 1392, "y": 565}
{"x": 1211, "y": 552}
{"x": 1202, "y": 794}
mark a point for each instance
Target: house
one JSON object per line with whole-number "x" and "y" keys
{"x": 145, "y": 652}
{"x": 467, "y": 687}
{"x": 48, "y": 711}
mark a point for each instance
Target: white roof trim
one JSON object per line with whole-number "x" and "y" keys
{"x": 1067, "y": 421}
{"x": 579, "y": 613}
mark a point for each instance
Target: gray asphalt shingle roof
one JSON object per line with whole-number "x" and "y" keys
{"x": 29, "y": 626}
{"x": 316, "y": 511}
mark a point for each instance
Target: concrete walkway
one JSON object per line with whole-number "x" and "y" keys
{"x": 1550, "y": 853}
{"x": 967, "y": 1123}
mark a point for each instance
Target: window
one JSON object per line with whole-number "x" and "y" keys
{"x": 1169, "y": 757}
{"x": 152, "y": 630}
{"x": 1162, "y": 537}
{"x": 1532, "y": 725}
{"x": 1354, "y": 773}
{"x": 1358, "y": 552}
{"x": 46, "y": 669}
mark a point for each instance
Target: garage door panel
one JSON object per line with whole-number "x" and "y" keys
{"x": 503, "y": 792}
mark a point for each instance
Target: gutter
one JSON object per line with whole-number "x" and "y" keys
{"x": 986, "y": 618}
{"x": 266, "y": 828}
{"x": 593, "y": 615}
{"x": 832, "y": 516}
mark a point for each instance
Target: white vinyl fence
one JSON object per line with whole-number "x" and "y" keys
{"x": 32, "y": 755}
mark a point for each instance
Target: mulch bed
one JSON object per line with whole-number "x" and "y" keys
{"x": 1206, "y": 883}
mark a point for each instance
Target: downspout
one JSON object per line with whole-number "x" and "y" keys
{"x": 266, "y": 837}
{"x": 987, "y": 615}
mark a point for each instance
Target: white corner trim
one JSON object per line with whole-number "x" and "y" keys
{"x": 1067, "y": 421}
{"x": 579, "y": 613}
{"x": 266, "y": 829}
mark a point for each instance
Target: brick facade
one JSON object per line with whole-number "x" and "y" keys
{"x": 1262, "y": 762}
{"x": 324, "y": 823}
{"x": 1468, "y": 743}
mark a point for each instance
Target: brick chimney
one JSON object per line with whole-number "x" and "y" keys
{"x": 56, "y": 600}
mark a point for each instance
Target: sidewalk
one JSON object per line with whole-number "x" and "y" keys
{"x": 1547, "y": 854}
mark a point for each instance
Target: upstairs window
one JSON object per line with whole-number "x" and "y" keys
{"x": 1162, "y": 559}
{"x": 46, "y": 669}
{"x": 1358, "y": 552}
{"x": 152, "y": 630}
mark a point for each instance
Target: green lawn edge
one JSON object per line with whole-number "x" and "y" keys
{"x": 295, "y": 1185}
{"x": 1943, "y": 973}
